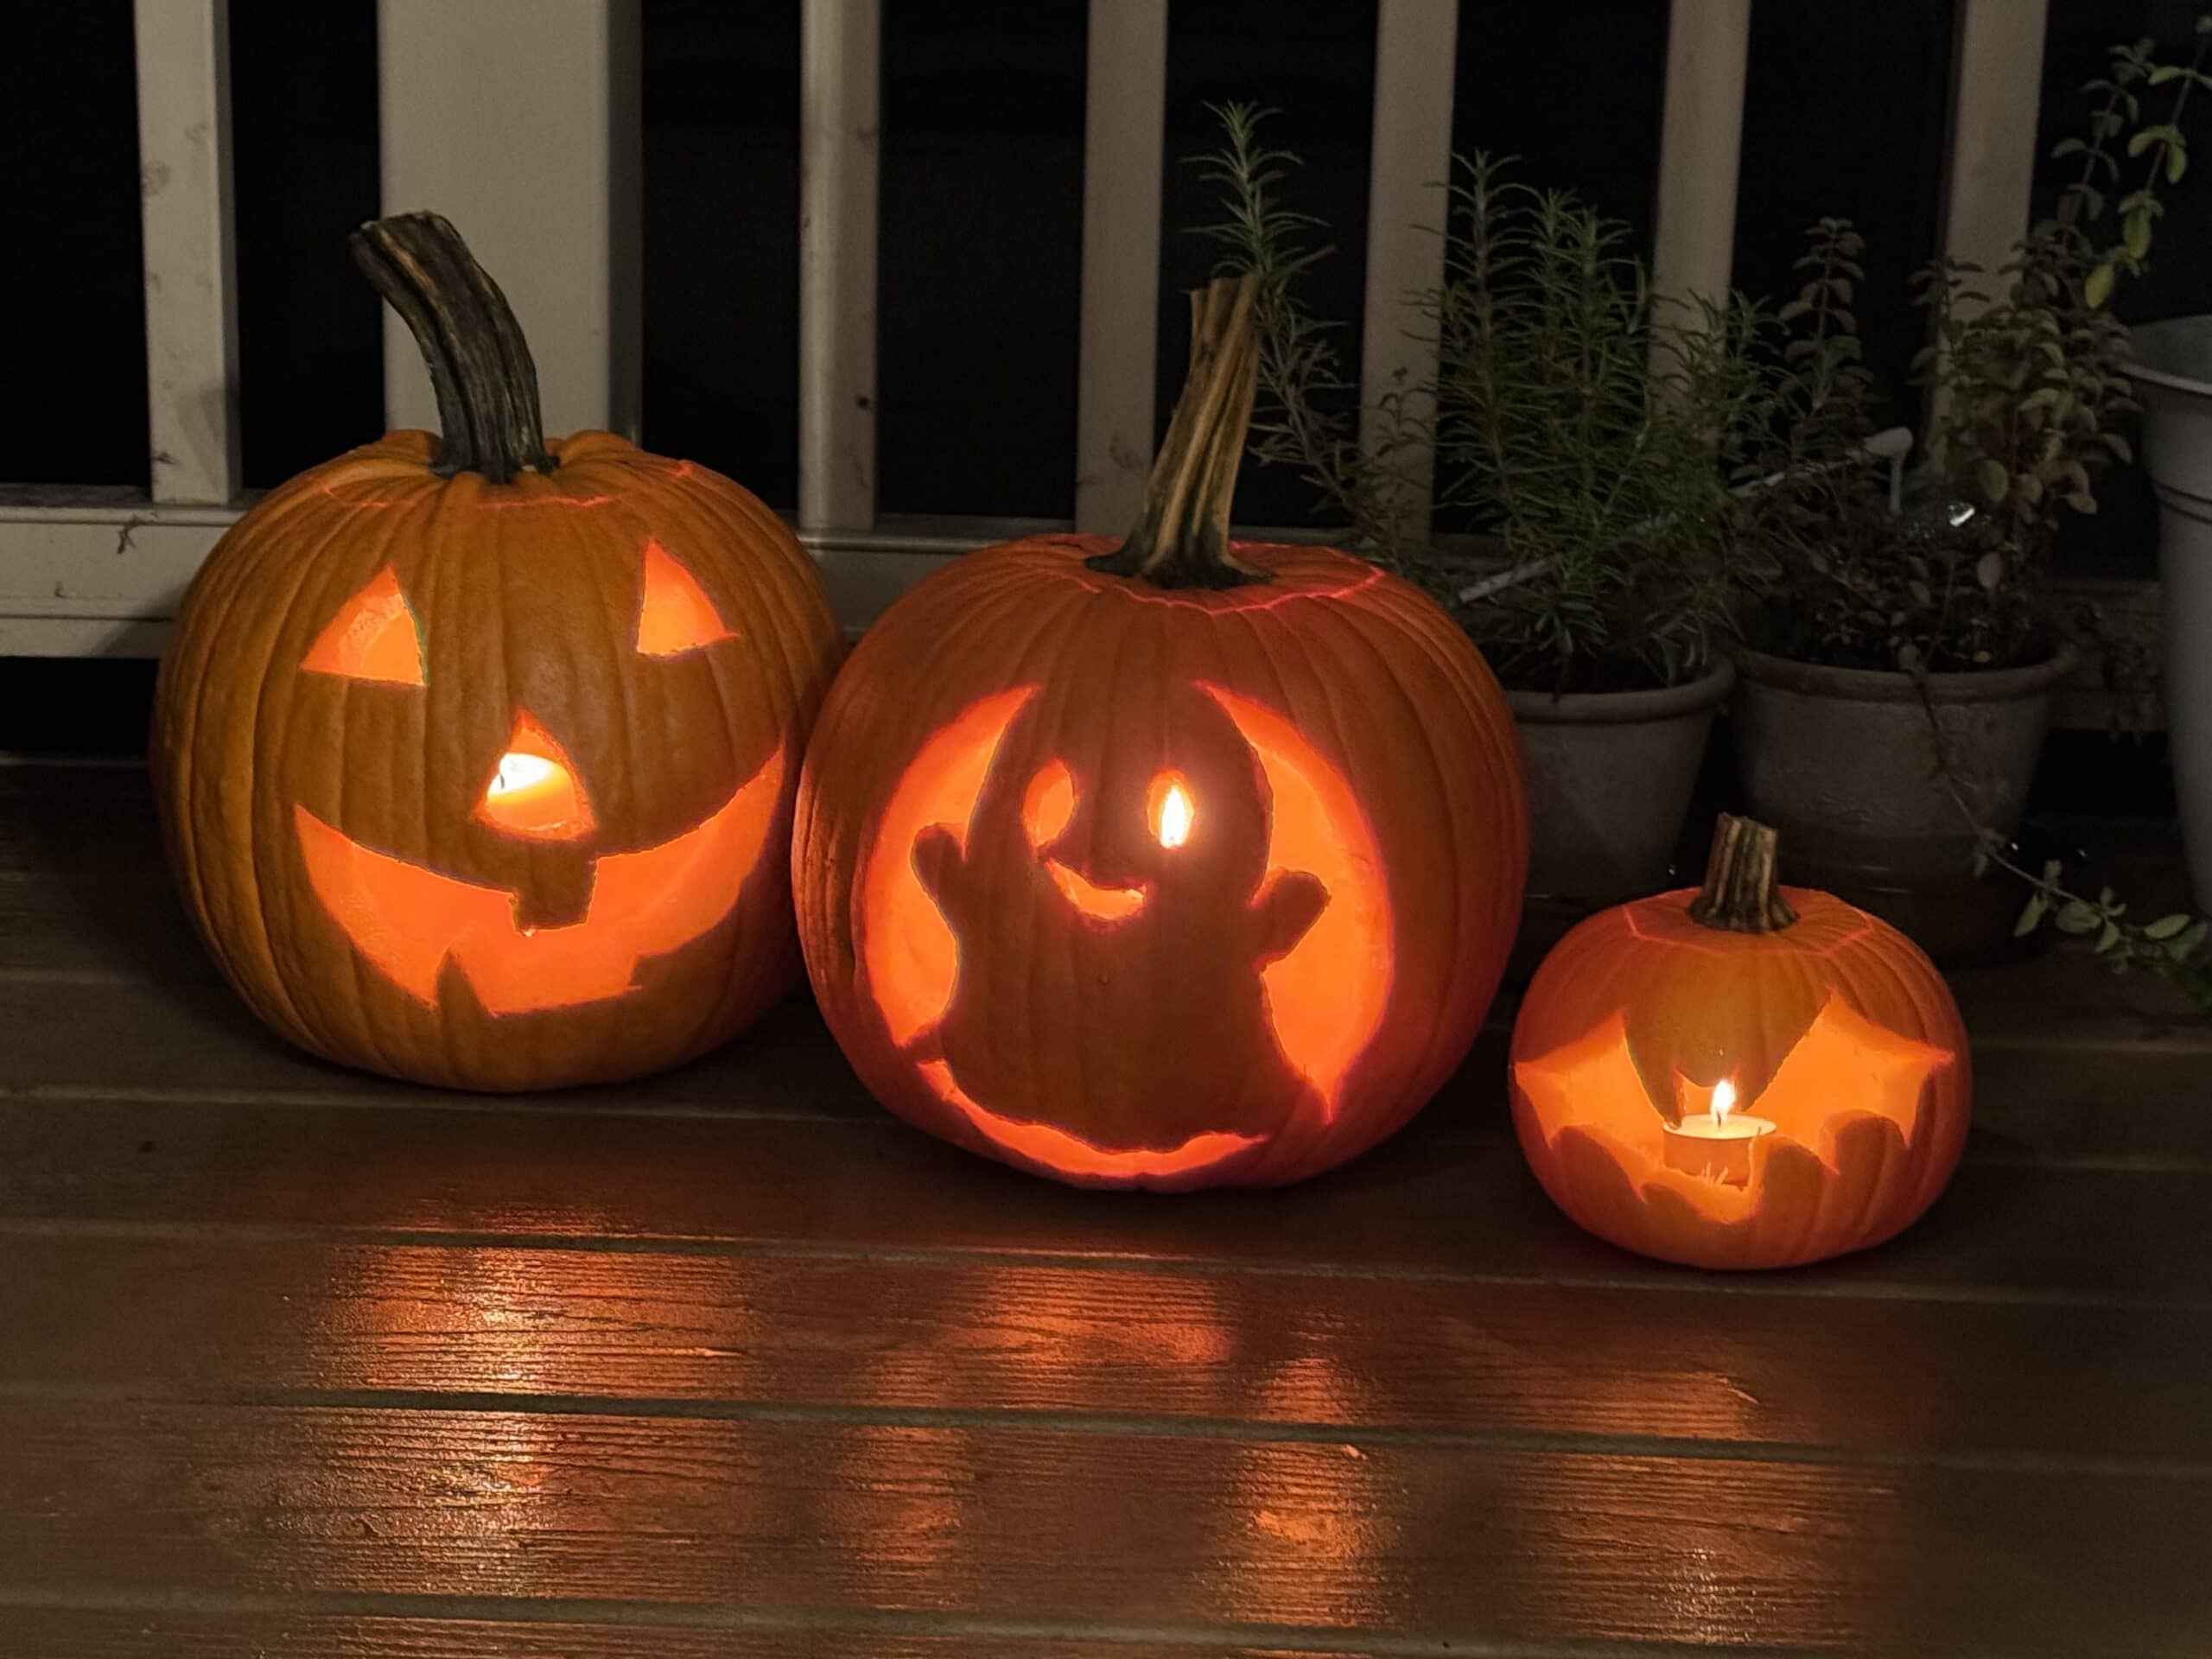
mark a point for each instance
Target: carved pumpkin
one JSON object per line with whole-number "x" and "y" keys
{"x": 475, "y": 753}
{"x": 1738, "y": 1076}
{"x": 1164, "y": 864}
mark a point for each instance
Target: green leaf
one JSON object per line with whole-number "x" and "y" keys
{"x": 2108, "y": 938}
{"x": 2166, "y": 926}
{"x": 2078, "y": 916}
{"x": 1995, "y": 480}
{"x": 2135, "y": 235}
{"x": 1989, "y": 571}
{"x": 2176, "y": 164}
{"x": 2031, "y": 915}
{"x": 2098, "y": 288}
{"x": 2182, "y": 949}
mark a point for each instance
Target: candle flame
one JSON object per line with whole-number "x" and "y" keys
{"x": 1171, "y": 811}
{"x": 518, "y": 773}
{"x": 1723, "y": 1101}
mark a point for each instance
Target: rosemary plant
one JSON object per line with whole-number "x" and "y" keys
{"x": 1590, "y": 434}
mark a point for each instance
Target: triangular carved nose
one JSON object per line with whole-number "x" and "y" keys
{"x": 533, "y": 792}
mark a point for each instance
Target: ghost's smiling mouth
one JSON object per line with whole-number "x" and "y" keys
{"x": 1100, "y": 903}
{"x": 408, "y": 921}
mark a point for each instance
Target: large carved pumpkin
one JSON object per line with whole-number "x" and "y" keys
{"x": 1168, "y": 863}
{"x": 475, "y": 753}
{"x": 1740, "y": 1076}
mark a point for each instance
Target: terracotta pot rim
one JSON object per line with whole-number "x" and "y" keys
{"x": 1891, "y": 685}
{"x": 1626, "y": 707}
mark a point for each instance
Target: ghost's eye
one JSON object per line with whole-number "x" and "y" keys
{"x": 674, "y": 613}
{"x": 373, "y": 637}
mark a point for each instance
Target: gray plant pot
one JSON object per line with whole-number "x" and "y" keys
{"x": 1610, "y": 776}
{"x": 2173, "y": 374}
{"x": 1844, "y": 762}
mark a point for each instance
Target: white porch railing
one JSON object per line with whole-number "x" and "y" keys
{"x": 482, "y": 116}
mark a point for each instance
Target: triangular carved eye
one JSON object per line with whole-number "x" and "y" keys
{"x": 373, "y": 637}
{"x": 674, "y": 613}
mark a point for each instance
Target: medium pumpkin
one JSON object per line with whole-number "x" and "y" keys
{"x": 475, "y": 753}
{"x": 1740, "y": 1076}
{"x": 1166, "y": 863}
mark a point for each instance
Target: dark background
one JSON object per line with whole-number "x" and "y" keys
{"x": 982, "y": 191}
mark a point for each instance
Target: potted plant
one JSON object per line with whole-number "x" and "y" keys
{"x": 2173, "y": 376}
{"x": 1589, "y": 438}
{"x": 1896, "y": 689}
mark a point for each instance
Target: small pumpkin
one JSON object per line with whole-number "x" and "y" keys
{"x": 475, "y": 753}
{"x": 1167, "y": 862}
{"x": 1740, "y": 1075}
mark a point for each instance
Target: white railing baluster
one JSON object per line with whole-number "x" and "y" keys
{"x": 517, "y": 120}
{"x": 1124, "y": 138}
{"x": 1997, "y": 80}
{"x": 1700, "y": 147}
{"x": 184, "y": 161}
{"x": 840, "y": 84}
{"x": 1416, "y": 45}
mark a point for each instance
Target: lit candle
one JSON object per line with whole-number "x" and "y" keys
{"x": 1716, "y": 1144}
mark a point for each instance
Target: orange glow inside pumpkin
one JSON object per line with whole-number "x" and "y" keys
{"x": 1843, "y": 1068}
{"x": 1071, "y": 1155}
{"x": 1325, "y": 997}
{"x": 373, "y": 637}
{"x": 409, "y": 922}
{"x": 533, "y": 792}
{"x": 911, "y": 956}
{"x": 674, "y": 613}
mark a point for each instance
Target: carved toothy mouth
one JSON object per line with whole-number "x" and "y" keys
{"x": 408, "y": 922}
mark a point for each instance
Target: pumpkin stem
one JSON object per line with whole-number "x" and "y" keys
{"x": 1740, "y": 893}
{"x": 1181, "y": 539}
{"x": 480, "y": 364}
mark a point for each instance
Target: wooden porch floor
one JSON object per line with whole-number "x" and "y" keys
{"x": 299, "y": 1363}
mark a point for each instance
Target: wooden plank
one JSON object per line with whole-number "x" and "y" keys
{"x": 189, "y": 1037}
{"x": 1431, "y": 1203}
{"x": 188, "y": 1314}
{"x": 1195, "y": 1539}
{"x": 517, "y": 120}
{"x": 1996, "y": 91}
{"x": 1416, "y": 44}
{"x": 1700, "y": 145}
{"x": 147, "y": 1629}
{"x": 184, "y": 166}
{"x": 1124, "y": 141}
{"x": 840, "y": 124}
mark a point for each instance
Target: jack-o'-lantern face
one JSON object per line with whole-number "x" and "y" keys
{"x": 476, "y": 751}
{"x": 414, "y": 924}
{"x": 1225, "y": 872}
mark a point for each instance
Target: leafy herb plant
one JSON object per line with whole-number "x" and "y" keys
{"x": 1589, "y": 433}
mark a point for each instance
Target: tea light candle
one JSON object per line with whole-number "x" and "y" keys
{"x": 1716, "y": 1145}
